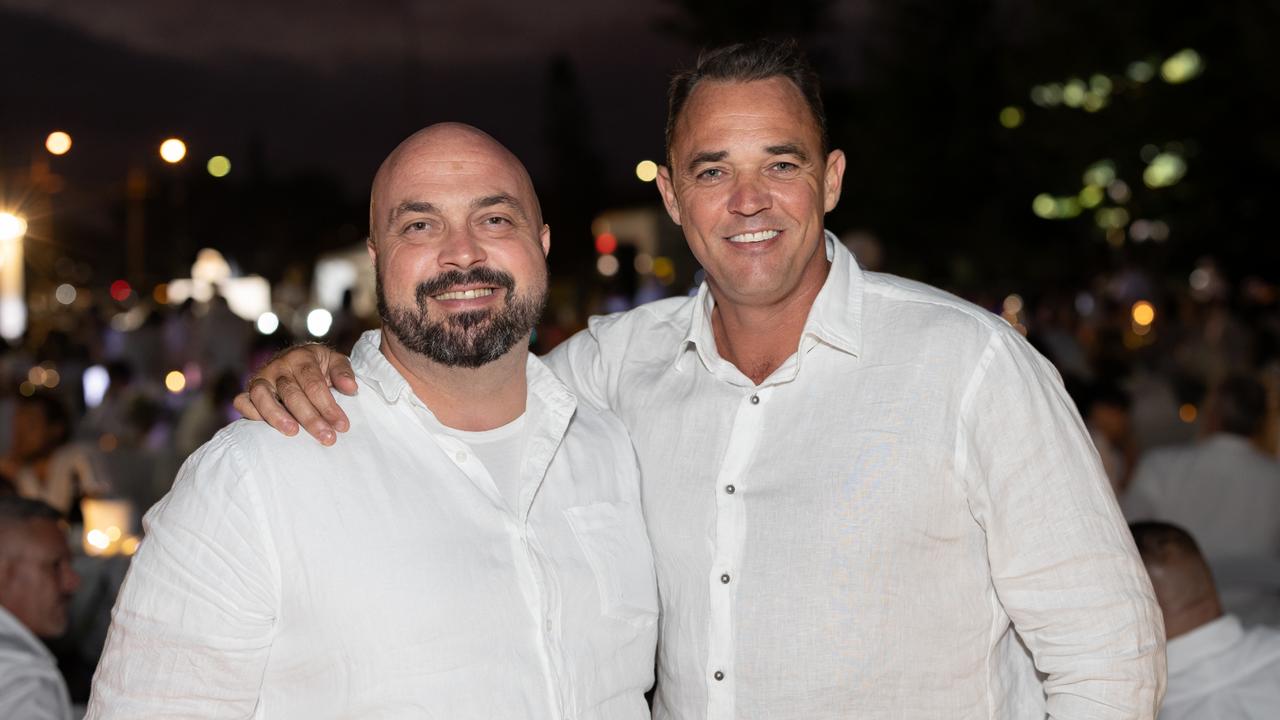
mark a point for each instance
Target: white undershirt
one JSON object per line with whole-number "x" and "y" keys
{"x": 501, "y": 451}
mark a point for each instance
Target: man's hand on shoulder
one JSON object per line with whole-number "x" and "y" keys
{"x": 296, "y": 388}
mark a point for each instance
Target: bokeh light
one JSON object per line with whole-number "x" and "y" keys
{"x": 647, "y": 170}
{"x": 1011, "y": 117}
{"x": 268, "y": 323}
{"x": 1144, "y": 313}
{"x": 218, "y": 166}
{"x": 319, "y": 321}
{"x": 175, "y": 382}
{"x": 607, "y": 265}
{"x": 65, "y": 294}
{"x": 173, "y": 150}
{"x": 58, "y": 143}
{"x": 12, "y": 227}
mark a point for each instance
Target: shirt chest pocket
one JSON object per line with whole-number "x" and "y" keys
{"x": 613, "y": 538}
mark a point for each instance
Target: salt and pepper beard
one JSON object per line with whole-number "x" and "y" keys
{"x": 471, "y": 338}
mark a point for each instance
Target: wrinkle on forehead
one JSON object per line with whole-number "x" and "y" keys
{"x": 455, "y": 145}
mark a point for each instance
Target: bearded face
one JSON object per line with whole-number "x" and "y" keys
{"x": 469, "y": 338}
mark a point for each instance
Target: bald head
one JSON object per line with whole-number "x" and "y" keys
{"x": 1179, "y": 575}
{"x": 438, "y": 151}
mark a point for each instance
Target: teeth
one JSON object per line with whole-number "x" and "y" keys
{"x": 754, "y": 237}
{"x": 465, "y": 294}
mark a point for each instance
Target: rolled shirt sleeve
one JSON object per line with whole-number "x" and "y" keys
{"x": 193, "y": 626}
{"x": 1062, "y": 560}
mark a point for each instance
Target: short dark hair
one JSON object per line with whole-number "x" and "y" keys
{"x": 55, "y": 412}
{"x": 1241, "y": 404}
{"x": 1160, "y": 542}
{"x": 16, "y": 510}
{"x": 744, "y": 62}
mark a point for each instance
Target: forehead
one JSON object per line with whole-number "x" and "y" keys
{"x": 720, "y": 114}
{"x": 445, "y": 176}
{"x": 39, "y": 539}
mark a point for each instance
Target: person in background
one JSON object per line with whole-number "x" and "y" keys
{"x": 36, "y": 584}
{"x": 1217, "y": 669}
{"x": 41, "y": 463}
{"x": 1222, "y": 489}
{"x": 1104, "y": 407}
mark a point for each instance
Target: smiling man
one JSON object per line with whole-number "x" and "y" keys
{"x": 867, "y": 498}
{"x": 476, "y": 548}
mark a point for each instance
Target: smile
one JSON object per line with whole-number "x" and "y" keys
{"x": 754, "y": 237}
{"x": 464, "y": 294}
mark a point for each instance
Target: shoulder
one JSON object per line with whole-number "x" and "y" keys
{"x": 667, "y": 316}
{"x": 894, "y": 296}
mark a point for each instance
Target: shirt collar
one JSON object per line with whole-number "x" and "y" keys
{"x": 1212, "y": 638}
{"x": 378, "y": 373}
{"x": 835, "y": 318}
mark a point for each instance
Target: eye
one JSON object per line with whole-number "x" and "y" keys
{"x": 711, "y": 174}
{"x": 497, "y": 220}
{"x": 785, "y": 166}
{"x": 416, "y": 226}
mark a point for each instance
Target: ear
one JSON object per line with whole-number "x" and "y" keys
{"x": 668, "y": 191}
{"x": 545, "y": 238}
{"x": 833, "y": 179}
{"x": 372, "y": 247}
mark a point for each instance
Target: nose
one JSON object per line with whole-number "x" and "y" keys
{"x": 750, "y": 196}
{"x": 461, "y": 249}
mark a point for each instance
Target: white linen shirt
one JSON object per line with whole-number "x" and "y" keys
{"x": 1220, "y": 671}
{"x": 854, "y": 536}
{"x": 31, "y": 686}
{"x": 384, "y": 577}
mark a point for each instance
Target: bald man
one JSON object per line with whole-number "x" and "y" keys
{"x": 1217, "y": 669}
{"x": 474, "y": 550}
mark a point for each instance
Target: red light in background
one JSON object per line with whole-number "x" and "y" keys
{"x": 606, "y": 243}
{"x": 120, "y": 291}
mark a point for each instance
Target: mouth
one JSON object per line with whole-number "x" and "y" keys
{"x": 753, "y": 237}
{"x": 469, "y": 294}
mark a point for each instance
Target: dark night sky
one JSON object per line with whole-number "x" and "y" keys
{"x": 329, "y": 84}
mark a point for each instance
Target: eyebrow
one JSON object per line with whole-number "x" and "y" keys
{"x": 498, "y": 199}
{"x": 412, "y": 206}
{"x": 788, "y": 149}
{"x": 707, "y": 157}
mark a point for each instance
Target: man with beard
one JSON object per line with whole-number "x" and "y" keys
{"x": 476, "y": 548}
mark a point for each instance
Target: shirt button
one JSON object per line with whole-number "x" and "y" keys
{"x": 755, "y": 399}
{"x": 460, "y": 456}
{"x": 725, "y": 578}
{"x": 730, "y": 489}
{"x": 718, "y": 675}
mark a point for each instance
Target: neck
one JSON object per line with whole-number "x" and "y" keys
{"x": 757, "y": 339}
{"x": 1189, "y": 618}
{"x": 471, "y": 399}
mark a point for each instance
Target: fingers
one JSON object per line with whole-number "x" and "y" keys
{"x": 315, "y": 388}
{"x": 244, "y": 406}
{"x": 264, "y": 404}
{"x": 299, "y": 404}
{"x": 341, "y": 375}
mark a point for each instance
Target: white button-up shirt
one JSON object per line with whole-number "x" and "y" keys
{"x": 860, "y": 534}
{"x": 1220, "y": 671}
{"x": 384, "y": 577}
{"x": 31, "y": 687}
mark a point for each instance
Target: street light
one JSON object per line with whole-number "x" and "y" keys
{"x": 13, "y": 306}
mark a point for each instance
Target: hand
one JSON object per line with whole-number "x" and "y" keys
{"x": 295, "y": 388}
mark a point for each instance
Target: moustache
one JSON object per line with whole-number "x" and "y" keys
{"x": 475, "y": 276}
